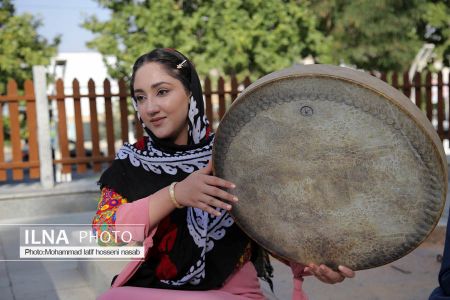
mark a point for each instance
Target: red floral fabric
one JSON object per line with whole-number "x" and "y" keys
{"x": 105, "y": 218}
{"x": 104, "y": 223}
{"x": 164, "y": 240}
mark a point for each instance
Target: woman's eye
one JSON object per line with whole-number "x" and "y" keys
{"x": 140, "y": 98}
{"x": 162, "y": 92}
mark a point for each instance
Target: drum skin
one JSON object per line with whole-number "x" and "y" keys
{"x": 332, "y": 166}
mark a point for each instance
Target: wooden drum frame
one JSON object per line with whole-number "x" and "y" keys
{"x": 332, "y": 166}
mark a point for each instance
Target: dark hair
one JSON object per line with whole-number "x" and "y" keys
{"x": 169, "y": 59}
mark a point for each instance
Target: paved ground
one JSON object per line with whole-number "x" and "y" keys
{"x": 39, "y": 280}
{"x": 410, "y": 278}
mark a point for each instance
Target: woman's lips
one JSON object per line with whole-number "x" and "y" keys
{"x": 157, "y": 121}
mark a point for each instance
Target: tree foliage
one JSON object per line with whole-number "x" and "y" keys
{"x": 435, "y": 28}
{"x": 256, "y": 36}
{"x": 380, "y": 35}
{"x": 384, "y": 35}
{"x": 250, "y": 37}
{"x": 21, "y": 46}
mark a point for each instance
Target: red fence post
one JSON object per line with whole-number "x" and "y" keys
{"x": 221, "y": 92}
{"x": 208, "y": 100}
{"x": 94, "y": 125}
{"x": 395, "y": 80}
{"x": 79, "y": 132}
{"x": 123, "y": 94}
{"x": 418, "y": 90}
{"x": 15, "y": 128}
{"x": 406, "y": 84}
{"x": 234, "y": 88}
{"x": 2, "y": 145}
{"x": 62, "y": 126}
{"x": 109, "y": 118}
{"x": 428, "y": 95}
{"x": 33, "y": 153}
{"x": 440, "y": 105}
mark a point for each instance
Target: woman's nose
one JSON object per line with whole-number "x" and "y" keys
{"x": 151, "y": 107}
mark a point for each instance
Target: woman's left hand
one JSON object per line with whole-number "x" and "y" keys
{"x": 327, "y": 275}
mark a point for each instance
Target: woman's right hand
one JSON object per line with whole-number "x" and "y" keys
{"x": 202, "y": 190}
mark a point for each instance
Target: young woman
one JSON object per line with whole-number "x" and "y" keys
{"x": 193, "y": 248}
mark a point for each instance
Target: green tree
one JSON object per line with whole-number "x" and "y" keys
{"x": 255, "y": 37}
{"x": 21, "y": 46}
{"x": 376, "y": 35}
{"x": 250, "y": 37}
{"x": 435, "y": 28}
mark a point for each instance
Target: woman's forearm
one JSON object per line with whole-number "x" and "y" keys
{"x": 142, "y": 216}
{"x": 159, "y": 206}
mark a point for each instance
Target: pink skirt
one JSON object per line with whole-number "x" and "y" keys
{"x": 242, "y": 285}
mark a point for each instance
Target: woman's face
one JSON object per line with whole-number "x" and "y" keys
{"x": 162, "y": 103}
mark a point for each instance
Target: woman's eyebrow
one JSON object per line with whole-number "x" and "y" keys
{"x": 155, "y": 85}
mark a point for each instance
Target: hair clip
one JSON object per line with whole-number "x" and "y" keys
{"x": 180, "y": 65}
